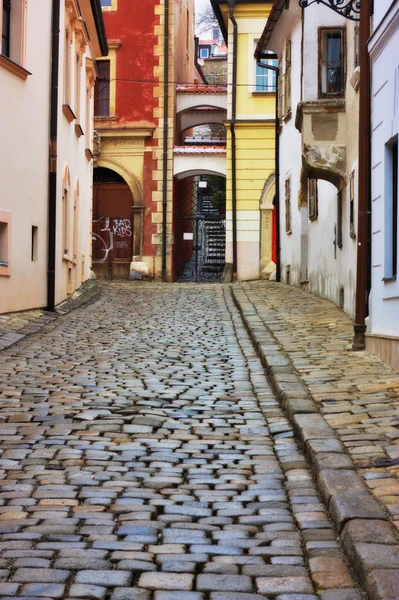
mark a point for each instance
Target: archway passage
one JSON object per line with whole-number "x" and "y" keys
{"x": 199, "y": 228}
{"x": 112, "y": 231}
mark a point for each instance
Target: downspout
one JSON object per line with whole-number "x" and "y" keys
{"x": 52, "y": 196}
{"x": 233, "y": 137}
{"x": 165, "y": 136}
{"x": 363, "y": 264}
{"x": 276, "y": 160}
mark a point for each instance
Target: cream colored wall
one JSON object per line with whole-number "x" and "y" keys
{"x": 74, "y": 268}
{"x": 24, "y": 118}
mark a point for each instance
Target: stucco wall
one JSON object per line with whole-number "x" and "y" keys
{"x": 308, "y": 252}
{"x": 24, "y": 116}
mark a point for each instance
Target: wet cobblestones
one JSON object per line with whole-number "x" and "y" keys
{"x": 145, "y": 457}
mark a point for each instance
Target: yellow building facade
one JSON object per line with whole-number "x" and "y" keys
{"x": 250, "y": 129}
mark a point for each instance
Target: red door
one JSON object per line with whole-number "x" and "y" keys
{"x": 112, "y": 230}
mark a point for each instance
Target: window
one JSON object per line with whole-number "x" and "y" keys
{"x": 108, "y": 5}
{"x": 339, "y": 220}
{"x": 5, "y": 242}
{"x": 204, "y": 52}
{"x": 35, "y": 231}
{"x": 265, "y": 79}
{"x": 13, "y": 30}
{"x": 287, "y": 78}
{"x": 6, "y": 29}
{"x": 75, "y": 223}
{"x": 312, "y": 199}
{"x": 331, "y": 62}
{"x": 288, "y": 205}
{"x": 102, "y": 89}
{"x": 391, "y": 210}
{"x": 67, "y": 67}
{"x": 66, "y": 184}
{"x": 352, "y": 231}
{"x": 77, "y": 87}
{"x": 356, "y": 56}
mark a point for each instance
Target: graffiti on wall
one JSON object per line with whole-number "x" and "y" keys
{"x": 120, "y": 229}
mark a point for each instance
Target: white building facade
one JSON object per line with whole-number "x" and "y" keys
{"x": 27, "y": 107}
{"x": 318, "y": 108}
{"x": 382, "y": 337}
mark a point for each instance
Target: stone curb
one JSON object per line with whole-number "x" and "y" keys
{"x": 366, "y": 535}
{"x": 87, "y": 293}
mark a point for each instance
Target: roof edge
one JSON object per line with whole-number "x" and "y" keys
{"x": 100, "y": 28}
{"x": 277, "y": 9}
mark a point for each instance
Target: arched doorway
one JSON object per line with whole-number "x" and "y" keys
{"x": 199, "y": 228}
{"x": 112, "y": 231}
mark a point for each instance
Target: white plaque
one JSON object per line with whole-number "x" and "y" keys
{"x": 188, "y": 236}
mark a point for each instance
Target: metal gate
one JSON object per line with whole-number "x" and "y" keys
{"x": 200, "y": 234}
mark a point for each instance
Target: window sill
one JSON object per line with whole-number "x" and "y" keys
{"x": 68, "y": 112}
{"x": 263, "y": 93}
{"x": 389, "y": 279}
{"x": 78, "y": 130}
{"x": 89, "y": 154}
{"x": 105, "y": 118}
{"x": 13, "y": 67}
{"x": 5, "y": 269}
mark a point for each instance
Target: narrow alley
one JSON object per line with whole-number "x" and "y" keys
{"x": 145, "y": 456}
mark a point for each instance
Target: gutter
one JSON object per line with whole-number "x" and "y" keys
{"x": 100, "y": 28}
{"x": 363, "y": 271}
{"x": 52, "y": 182}
{"x": 276, "y": 161}
{"x": 165, "y": 136}
{"x": 233, "y": 138}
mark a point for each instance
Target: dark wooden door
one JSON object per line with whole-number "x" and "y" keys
{"x": 112, "y": 230}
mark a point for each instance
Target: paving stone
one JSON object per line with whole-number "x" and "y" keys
{"x": 280, "y": 585}
{"x": 233, "y": 583}
{"x": 41, "y": 575}
{"x": 105, "y": 578}
{"x": 122, "y": 593}
{"x": 166, "y": 581}
{"x": 95, "y": 592}
{"x": 48, "y": 590}
{"x": 341, "y": 595}
{"x": 178, "y": 596}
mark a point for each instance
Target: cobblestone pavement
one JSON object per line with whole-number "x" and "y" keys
{"x": 144, "y": 456}
{"x": 357, "y": 394}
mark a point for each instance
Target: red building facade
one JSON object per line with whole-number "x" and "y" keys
{"x": 135, "y": 133}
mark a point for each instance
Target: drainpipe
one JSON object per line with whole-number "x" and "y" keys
{"x": 165, "y": 136}
{"x": 52, "y": 197}
{"x": 276, "y": 160}
{"x": 364, "y": 210}
{"x": 233, "y": 137}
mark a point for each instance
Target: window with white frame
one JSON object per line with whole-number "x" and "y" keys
{"x": 204, "y": 52}
{"x": 265, "y": 79}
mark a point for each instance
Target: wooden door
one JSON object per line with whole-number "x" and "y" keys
{"x": 112, "y": 230}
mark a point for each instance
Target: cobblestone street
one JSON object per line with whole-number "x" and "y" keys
{"x": 145, "y": 456}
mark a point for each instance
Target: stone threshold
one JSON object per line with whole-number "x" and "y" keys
{"x": 364, "y": 527}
